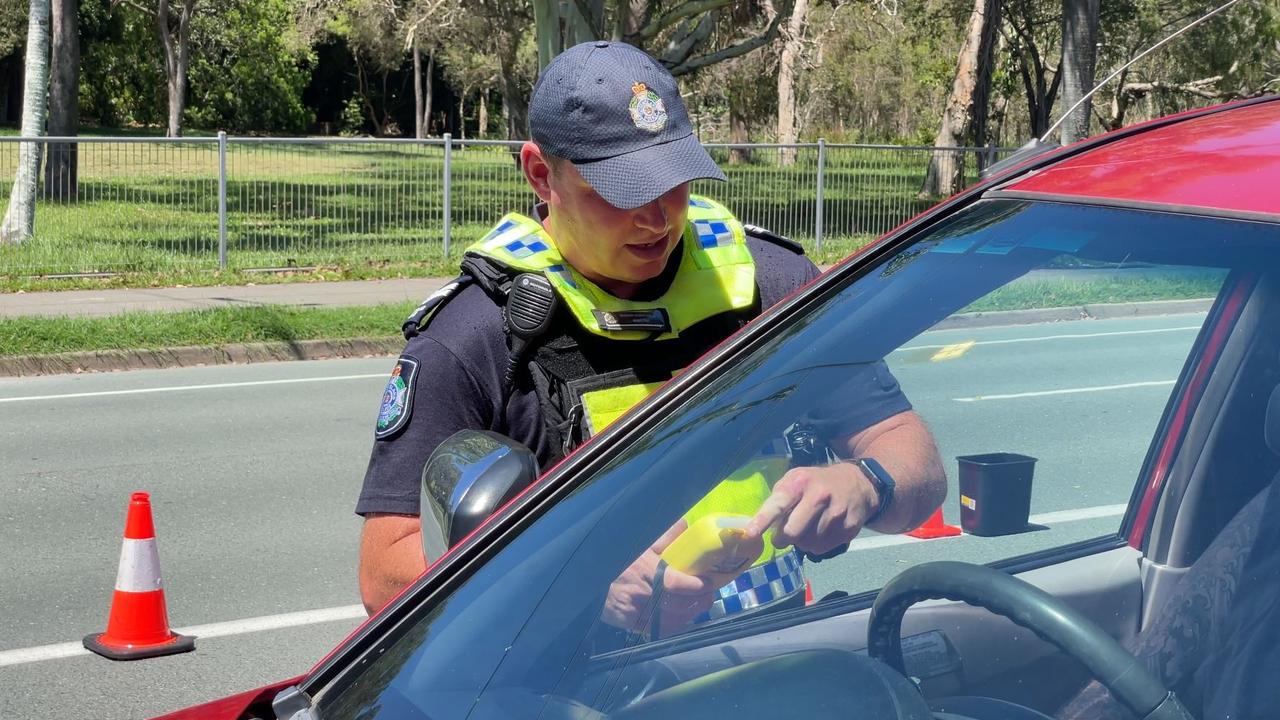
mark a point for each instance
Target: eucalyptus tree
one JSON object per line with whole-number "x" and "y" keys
{"x": 20, "y": 218}
{"x": 64, "y": 86}
{"x": 685, "y": 35}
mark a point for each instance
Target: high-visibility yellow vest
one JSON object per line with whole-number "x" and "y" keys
{"x": 716, "y": 275}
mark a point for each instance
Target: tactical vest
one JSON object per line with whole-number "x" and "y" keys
{"x": 603, "y": 355}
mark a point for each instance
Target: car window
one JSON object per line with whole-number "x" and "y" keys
{"x": 1043, "y": 396}
{"x": 1040, "y": 342}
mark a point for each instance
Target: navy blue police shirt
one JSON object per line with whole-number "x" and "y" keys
{"x": 453, "y": 373}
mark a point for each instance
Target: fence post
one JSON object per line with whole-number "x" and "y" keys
{"x": 817, "y": 213}
{"x": 448, "y": 181}
{"x": 222, "y": 200}
{"x": 991, "y": 155}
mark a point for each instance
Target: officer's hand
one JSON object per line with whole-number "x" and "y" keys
{"x": 683, "y": 598}
{"x": 816, "y": 508}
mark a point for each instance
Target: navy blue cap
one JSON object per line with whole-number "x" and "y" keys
{"x": 616, "y": 114}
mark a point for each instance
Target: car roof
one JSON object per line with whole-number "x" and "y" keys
{"x": 1222, "y": 162}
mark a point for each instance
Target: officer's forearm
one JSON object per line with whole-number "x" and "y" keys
{"x": 388, "y": 562}
{"x": 904, "y": 446}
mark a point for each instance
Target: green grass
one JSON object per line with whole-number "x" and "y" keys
{"x": 1026, "y": 295}
{"x": 220, "y": 326}
{"x": 223, "y": 326}
{"x": 151, "y": 210}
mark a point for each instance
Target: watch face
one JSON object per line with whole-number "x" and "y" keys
{"x": 881, "y": 481}
{"x": 874, "y": 473}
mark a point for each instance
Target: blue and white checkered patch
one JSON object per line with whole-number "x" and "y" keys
{"x": 502, "y": 227}
{"x": 563, "y": 273}
{"x": 777, "y": 579}
{"x": 713, "y": 233}
{"x": 520, "y": 249}
{"x": 695, "y": 202}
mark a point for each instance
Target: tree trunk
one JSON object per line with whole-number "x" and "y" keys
{"x": 64, "y": 84}
{"x": 418, "y": 117}
{"x": 1079, "y": 58}
{"x": 462, "y": 115}
{"x": 738, "y": 134}
{"x": 546, "y": 24}
{"x": 788, "y": 132}
{"x": 362, "y": 89}
{"x": 176, "y": 58}
{"x": 582, "y": 28}
{"x": 973, "y": 69}
{"x": 629, "y": 16}
{"x": 482, "y": 116}
{"x": 20, "y": 219}
{"x": 430, "y": 91}
{"x": 513, "y": 99}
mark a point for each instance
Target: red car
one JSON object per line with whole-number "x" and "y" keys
{"x": 1090, "y": 338}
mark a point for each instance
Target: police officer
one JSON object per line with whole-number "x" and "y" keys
{"x": 646, "y": 278}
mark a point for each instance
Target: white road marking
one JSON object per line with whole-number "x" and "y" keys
{"x": 44, "y": 652}
{"x": 357, "y": 612}
{"x": 275, "y": 622}
{"x": 212, "y": 630}
{"x": 1093, "y": 513}
{"x": 180, "y": 388}
{"x": 1009, "y": 341}
{"x": 1066, "y": 391}
{"x": 876, "y": 542}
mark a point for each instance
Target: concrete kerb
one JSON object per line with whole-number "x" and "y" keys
{"x": 112, "y": 360}
{"x": 1076, "y": 312}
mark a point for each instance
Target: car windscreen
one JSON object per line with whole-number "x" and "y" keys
{"x": 960, "y": 323}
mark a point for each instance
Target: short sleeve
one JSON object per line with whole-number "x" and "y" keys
{"x": 443, "y": 398}
{"x": 870, "y": 395}
{"x": 779, "y": 271}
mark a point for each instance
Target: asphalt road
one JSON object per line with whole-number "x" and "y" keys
{"x": 254, "y": 469}
{"x": 252, "y": 489}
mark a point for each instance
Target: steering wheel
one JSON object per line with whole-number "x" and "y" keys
{"x": 1129, "y": 681}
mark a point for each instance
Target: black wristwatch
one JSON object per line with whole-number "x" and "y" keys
{"x": 881, "y": 480}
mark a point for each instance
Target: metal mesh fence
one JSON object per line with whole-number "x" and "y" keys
{"x": 115, "y": 204}
{"x": 157, "y": 204}
{"x": 304, "y": 203}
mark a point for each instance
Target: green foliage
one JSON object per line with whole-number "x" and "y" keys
{"x": 246, "y": 73}
{"x": 1241, "y": 47}
{"x": 866, "y": 74}
{"x": 880, "y": 78}
{"x": 13, "y": 25}
{"x": 121, "y": 72}
{"x": 353, "y": 119}
{"x": 374, "y": 31}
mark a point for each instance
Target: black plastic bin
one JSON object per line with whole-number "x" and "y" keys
{"x": 995, "y": 492}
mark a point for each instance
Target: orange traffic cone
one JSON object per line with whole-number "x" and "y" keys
{"x": 934, "y": 527}
{"x": 808, "y": 592}
{"x": 138, "y": 626}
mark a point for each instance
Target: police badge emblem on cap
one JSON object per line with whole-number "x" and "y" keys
{"x": 615, "y": 112}
{"x": 647, "y": 110}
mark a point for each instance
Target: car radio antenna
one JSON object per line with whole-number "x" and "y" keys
{"x": 1144, "y": 53}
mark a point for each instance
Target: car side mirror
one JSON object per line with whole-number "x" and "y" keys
{"x": 469, "y": 476}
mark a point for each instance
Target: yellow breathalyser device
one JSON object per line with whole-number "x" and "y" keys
{"x": 715, "y": 546}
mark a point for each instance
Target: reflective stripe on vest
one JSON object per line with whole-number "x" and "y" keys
{"x": 716, "y": 275}
{"x": 765, "y": 584}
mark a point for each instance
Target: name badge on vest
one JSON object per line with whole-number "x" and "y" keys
{"x": 654, "y": 320}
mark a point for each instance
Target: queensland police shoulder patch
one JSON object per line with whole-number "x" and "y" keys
{"x": 397, "y": 399}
